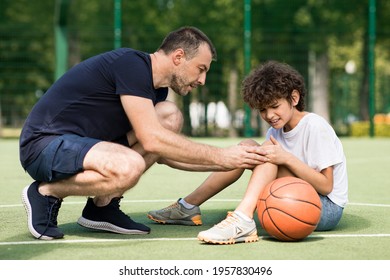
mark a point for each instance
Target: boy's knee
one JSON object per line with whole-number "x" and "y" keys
{"x": 248, "y": 142}
{"x": 268, "y": 142}
{"x": 170, "y": 116}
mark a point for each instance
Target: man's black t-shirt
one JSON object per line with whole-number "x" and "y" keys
{"x": 85, "y": 101}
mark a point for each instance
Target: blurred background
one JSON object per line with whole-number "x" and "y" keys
{"x": 340, "y": 47}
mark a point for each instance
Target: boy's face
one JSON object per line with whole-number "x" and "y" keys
{"x": 279, "y": 114}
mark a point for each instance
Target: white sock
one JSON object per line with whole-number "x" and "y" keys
{"x": 186, "y": 204}
{"x": 243, "y": 216}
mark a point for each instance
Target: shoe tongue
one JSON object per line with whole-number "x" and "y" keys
{"x": 115, "y": 202}
{"x": 53, "y": 199}
{"x": 114, "y": 206}
{"x": 116, "y": 199}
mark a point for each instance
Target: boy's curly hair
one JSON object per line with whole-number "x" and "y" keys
{"x": 271, "y": 81}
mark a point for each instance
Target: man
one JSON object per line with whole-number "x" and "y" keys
{"x": 104, "y": 122}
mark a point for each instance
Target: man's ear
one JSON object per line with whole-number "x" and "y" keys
{"x": 295, "y": 96}
{"x": 178, "y": 55}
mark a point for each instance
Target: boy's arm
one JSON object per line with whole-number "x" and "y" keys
{"x": 321, "y": 181}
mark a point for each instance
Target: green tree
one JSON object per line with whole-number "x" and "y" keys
{"x": 24, "y": 74}
{"x": 314, "y": 36}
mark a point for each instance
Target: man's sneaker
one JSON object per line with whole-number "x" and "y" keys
{"x": 177, "y": 214}
{"x": 232, "y": 230}
{"x": 42, "y": 212}
{"x": 110, "y": 218}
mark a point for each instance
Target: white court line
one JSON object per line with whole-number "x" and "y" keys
{"x": 368, "y": 204}
{"x": 36, "y": 242}
{"x": 172, "y": 200}
{"x": 40, "y": 242}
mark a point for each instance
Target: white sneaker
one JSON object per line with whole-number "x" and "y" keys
{"x": 232, "y": 230}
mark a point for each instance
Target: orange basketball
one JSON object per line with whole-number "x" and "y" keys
{"x": 289, "y": 209}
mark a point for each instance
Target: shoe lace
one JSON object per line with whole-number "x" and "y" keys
{"x": 115, "y": 204}
{"x": 53, "y": 208}
{"x": 170, "y": 207}
{"x": 230, "y": 220}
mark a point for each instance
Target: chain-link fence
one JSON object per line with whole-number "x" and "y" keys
{"x": 28, "y": 58}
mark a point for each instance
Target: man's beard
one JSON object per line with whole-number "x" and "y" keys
{"x": 178, "y": 85}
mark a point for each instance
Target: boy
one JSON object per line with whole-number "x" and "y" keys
{"x": 299, "y": 144}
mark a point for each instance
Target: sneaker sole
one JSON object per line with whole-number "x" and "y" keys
{"x": 246, "y": 239}
{"x": 195, "y": 221}
{"x": 107, "y": 227}
{"x": 27, "y": 207}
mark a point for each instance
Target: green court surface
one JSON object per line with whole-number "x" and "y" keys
{"x": 363, "y": 233}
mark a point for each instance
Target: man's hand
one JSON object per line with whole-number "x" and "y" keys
{"x": 243, "y": 156}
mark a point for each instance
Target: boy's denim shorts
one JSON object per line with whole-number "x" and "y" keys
{"x": 330, "y": 214}
{"x": 61, "y": 159}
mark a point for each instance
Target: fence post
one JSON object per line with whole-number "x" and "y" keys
{"x": 61, "y": 39}
{"x": 371, "y": 63}
{"x": 248, "y": 131}
{"x": 117, "y": 24}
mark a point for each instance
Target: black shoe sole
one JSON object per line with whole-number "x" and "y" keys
{"x": 105, "y": 226}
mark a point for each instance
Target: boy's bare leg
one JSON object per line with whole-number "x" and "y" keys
{"x": 261, "y": 176}
{"x": 215, "y": 182}
{"x": 239, "y": 225}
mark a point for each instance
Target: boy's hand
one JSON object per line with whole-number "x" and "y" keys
{"x": 275, "y": 153}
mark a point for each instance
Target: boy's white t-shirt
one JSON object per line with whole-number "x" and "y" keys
{"x": 315, "y": 142}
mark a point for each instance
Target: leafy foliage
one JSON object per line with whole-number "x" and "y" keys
{"x": 282, "y": 30}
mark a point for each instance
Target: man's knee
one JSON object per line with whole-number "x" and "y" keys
{"x": 115, "y": 163}
{"x": 170, "y": 115}
{"x": 130, "y": 168}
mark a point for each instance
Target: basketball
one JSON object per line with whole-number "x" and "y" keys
{"x": 289, "y": 209}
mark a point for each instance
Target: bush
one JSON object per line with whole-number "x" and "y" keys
{"x": 381, "y": 127}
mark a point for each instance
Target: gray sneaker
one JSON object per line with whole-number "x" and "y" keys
{"x": 232, "y": 230}
{"x": 177, "y": 214}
